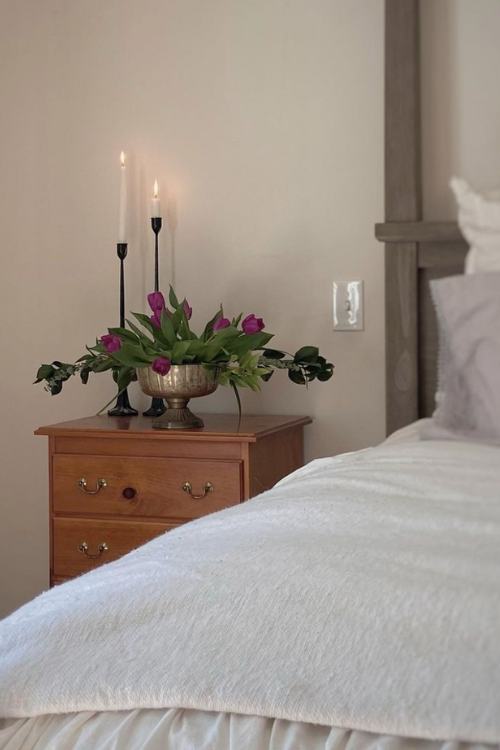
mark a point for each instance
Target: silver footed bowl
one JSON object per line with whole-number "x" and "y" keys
{"x": 177, "y": 387}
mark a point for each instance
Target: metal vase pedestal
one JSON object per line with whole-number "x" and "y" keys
{"x": 177, "y": 387}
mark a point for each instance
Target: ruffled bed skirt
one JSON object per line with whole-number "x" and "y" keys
{"x": 181, "y": 729}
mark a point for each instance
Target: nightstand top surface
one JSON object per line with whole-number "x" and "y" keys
{"x": 217, "y": 426}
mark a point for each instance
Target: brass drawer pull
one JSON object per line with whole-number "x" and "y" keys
{"x": 187, "y": 487}
{"x": 84, "y": 547}
{"x": 99, "y": 485}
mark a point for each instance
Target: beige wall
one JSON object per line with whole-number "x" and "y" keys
{"x": 460, "y": 98}
{"x": 263, "y": 119}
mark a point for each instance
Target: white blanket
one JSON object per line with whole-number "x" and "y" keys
{"x": 362, "y": 592}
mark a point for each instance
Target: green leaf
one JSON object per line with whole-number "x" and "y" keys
{"x": 311, "y": 366}
{"x": 124, "y": 333}
{"x": 44, "y": 371}
{"x": 307, "y": 354}
{"x": 296, "y": 377}
{"x": 140, "y": 334}
{"x": 176, "y": 319}
{"x": 144, "y": 321}
{"x": 172, "y": 298}
{"x": 179, "y": 350}
{"x": 131, "y": 356}
{"x": 159, "y": 338}
{"x": 124, "y": 378}
{"x": 224, "y": 339}
{"x": 273, "y": 354}
{"x": 184, "y": 330}
{"x": 85, "y": 358}
{"x": 326, "y": 373}
{"x": 102, "y": 365}
{"x": 250, "y": 342}
{"x": 167, "y": 328}
{"x": 197, "y": 349}
{"x": 210, "y": 325}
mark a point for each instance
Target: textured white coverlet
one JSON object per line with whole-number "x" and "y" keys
{"x": 362, "y": 592}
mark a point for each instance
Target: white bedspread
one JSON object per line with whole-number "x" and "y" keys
{"x": 362, "y": 592}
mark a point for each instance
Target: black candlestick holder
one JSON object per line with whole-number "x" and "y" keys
{"x": 156, "y": 223}
{"x": 122, "y": 408}
{"x": 157, "y": 407}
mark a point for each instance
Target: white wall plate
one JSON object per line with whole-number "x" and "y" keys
{"x": 348, "y": 306}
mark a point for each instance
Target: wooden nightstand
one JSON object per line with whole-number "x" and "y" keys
{"x": 115, "y": 483}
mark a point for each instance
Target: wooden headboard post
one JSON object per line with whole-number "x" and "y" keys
{"x": 416, "y": 251}
{"x": 403, "y": 202}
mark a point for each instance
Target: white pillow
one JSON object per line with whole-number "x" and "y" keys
{"x": 468, "y": 311}
{"x": 479, "y": 222}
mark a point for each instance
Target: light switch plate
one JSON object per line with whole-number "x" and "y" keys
{"x": 348, "y": 306}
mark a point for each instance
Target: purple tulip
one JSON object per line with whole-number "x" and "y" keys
{"x": 251, "y": 324}
{"x": 161, "y": 365}
{"x": 221, "y": 323}
{"x": 111, "y": 342}
{"x": 156, "y": 320}
{"x": 156, "y": 302}
{"x": 188, "y": 310}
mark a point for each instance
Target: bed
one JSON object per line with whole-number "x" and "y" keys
{"x": 361, "y": 593}
{"x": 355, "y": 604}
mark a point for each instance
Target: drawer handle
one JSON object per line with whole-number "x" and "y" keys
{"x": 84, "y": 547}
{"x": 187, "y": 487}
{"x": 99, "y": 485}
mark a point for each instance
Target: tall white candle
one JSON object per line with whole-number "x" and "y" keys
{"x": 122, "y": 216}
{"x": 155, "y": 203}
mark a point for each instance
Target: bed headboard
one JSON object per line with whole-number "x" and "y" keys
{"x": 416, "y": 251}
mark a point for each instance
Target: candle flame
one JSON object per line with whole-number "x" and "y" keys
{"x": 122, "y": 158}
{"x": 155, "y": 190}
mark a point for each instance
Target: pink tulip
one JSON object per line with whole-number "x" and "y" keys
{"x": 251, "y": 324}
{"x": 161, "y": 365}
{"x": 221, "y": 323}
{"x": 156, "y": 302}
{"x": 111, "y": 342}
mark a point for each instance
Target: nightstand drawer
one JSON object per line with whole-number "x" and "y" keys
{"x": 82, "y": 544}
{"x": 150, "y": 487}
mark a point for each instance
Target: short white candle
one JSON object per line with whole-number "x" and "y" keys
{"x": 155, "y": 203}
{"x": 122, "y": 216}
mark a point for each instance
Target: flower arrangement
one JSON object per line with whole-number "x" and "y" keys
{"x": 236, "y": 349}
